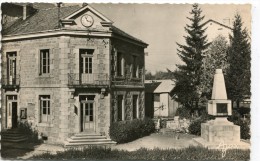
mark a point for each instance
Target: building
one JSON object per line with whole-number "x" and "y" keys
{"x": 158, "y": 100}
{"x": 68, "y": 70}
{"x": 215, "y": 28}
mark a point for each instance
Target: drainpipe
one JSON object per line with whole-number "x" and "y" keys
{"x": 24, "y": 12}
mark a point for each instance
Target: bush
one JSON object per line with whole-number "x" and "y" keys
{"x": 126, "y": 131}
{"x": 195, "y": 125}
{"x": 237, "y": 119}
{"x": 183, "y": 112}
{"x": 27, "y": 130}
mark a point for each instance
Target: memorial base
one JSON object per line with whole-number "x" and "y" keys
{"x": 220, "y": 132}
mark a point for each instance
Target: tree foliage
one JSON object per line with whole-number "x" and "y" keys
{"x": 188, "y": 76}
{"x": 159, "y": 75}
{"x": 238, "y": 74}
{"x": 216, "y": 58}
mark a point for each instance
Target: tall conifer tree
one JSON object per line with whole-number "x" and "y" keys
{"x": 238, "y": 75}
{"x": 188, "y": 76}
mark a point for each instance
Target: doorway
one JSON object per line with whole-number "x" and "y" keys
{"x": 87, "y": 113}
{"x": 11, "y": 112}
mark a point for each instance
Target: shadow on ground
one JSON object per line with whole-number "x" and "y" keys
{"x": 16, "y": 150}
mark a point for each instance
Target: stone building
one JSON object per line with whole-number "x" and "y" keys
{"x": 69, "y": 70}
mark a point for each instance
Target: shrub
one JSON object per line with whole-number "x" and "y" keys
{"x": 126, "y": 131}
{"x": 195, "y": 125}
{"x": 27, "y": 130}
{"x": 183, "y": 112}
{"x": 237, "y": 119}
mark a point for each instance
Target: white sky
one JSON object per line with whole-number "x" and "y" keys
{"x": 162, "y": 25}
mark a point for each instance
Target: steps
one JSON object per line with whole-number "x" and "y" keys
{"x": 85, "y": 139}
{"x": 13, "y": 135}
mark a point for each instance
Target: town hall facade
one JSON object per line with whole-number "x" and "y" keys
{"x": 69, "y": 70}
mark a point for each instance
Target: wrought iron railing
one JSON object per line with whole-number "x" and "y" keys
{"x": 10, "y": 81}
{"x": 88, "y": 79}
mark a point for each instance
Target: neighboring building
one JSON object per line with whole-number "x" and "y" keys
{"x": 215, "y": 29}
{"x": 69, "y": 70}
{"x": 158, "y": 100}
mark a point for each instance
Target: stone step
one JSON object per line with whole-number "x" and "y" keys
{"x": 87, "y": 137}
{"x": 13, "y": 137}
{"x": 87, "y": 140}
{"x": 103, "y": 143}
{"x": 87, "y": 134}
{"x": 15, "y": 140}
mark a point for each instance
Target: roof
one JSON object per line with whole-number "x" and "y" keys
{"x": 210, "y": 20}
{"x": 164, "y": 86}
{"x": 47, "y": 20}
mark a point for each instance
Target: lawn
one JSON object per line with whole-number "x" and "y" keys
{"x": 190, "y": 153}
{"x": 15, "y": 150}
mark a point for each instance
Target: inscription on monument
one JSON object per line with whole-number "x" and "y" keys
{"x": 222, "y": 109}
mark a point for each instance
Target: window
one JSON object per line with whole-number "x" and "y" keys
{"x": 11, "y": 67}
{"x": 120, "y": 108}
{"x": 135, "y": 107}
{"x": 44, "y": 61}
{"x": 156, "y": 97}
{"x": 45, "y": 108}
{"x": 134, "y": 68}
{"x": 86, "y": 60}
{"x": 120, "y": 64}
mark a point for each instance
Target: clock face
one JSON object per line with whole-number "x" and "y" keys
{"x": 87, "y": 20}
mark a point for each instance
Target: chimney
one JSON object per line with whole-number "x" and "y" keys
{"x": 24, "y": 12}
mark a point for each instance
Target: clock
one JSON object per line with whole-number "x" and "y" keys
{"x": 87, "y": 20}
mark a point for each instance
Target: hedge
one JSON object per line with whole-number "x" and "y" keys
{"x": 126, "y": 131}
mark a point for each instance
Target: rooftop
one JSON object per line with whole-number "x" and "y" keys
{"x": 47, "y": 20}
{"x": 159, "y": 86}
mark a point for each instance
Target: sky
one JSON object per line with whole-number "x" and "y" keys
{"x": 162, "y": 25}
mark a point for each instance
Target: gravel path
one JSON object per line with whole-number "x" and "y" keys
{"x": 173, "y": 141}
{"x": 156, "y": 140}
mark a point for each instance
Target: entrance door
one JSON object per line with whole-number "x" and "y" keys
{"x": 86, "y": 60}
{"x": 87, "y": 116}
{"x": 11, "y": 68}
{"x": 11, "y": 112}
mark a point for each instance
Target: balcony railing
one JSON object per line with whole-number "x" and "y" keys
{"x": 10, "y": 82}
{"x": 84, "y": 79}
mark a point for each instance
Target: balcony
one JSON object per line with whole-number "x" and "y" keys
{"x": 88, "y": 80}
{"x": 9, "y": 82}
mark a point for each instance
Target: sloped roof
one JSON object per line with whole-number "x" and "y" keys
{"x": 165, "y": 86}
{"x": 210, "y": 20}
{"x": 151, "y": 86}
{"x": 47, "y": 19}
{"x": 42, "y": 20}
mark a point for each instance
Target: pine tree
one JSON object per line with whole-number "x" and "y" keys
{"x": 188, "y": 76}
{"x": 238, "y": 76}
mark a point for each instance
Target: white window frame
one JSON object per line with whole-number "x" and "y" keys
{"x": 45, "y": 117}
{"x": 48, "y": 63}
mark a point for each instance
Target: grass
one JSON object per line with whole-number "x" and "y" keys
{"x": 191, "y": 153}
{"x": 15, "y": 150}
